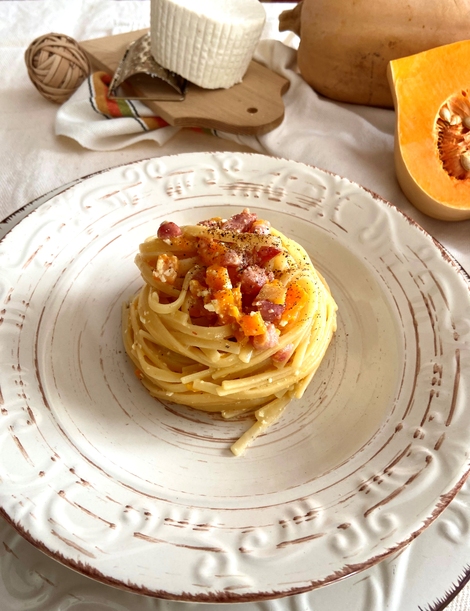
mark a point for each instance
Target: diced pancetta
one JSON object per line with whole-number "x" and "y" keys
{"x": 270, "y": 339}
{"x": 263, "y": 254}
{"x": 271, "y": 312}
{"x": 261, "y": 227}
{"x": 168, "y": 230}
{"x": 252, "y": 279}
{"x": 231, "y": 258}
{"x": 284, "y": 354}
{"x": 240, "y": 222}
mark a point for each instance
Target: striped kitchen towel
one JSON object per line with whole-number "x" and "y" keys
{"x": 99, "y": 123}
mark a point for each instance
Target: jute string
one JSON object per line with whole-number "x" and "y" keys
{"x": 56, "y": 66}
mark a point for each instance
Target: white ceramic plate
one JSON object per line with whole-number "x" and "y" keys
{"x": 427, "y": 574}
{"x": 147, "y": 496}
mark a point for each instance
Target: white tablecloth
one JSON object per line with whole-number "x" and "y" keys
{"x": 353, "y": 141}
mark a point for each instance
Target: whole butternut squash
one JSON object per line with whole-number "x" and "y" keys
{"x": 345, "y": 46}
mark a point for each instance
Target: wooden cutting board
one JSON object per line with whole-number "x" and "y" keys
{"x": 252, "y": 107}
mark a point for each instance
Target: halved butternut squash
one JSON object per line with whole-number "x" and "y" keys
{"x": 431, "y": 95}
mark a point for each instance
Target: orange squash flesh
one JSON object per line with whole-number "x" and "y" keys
{"x": 421, "y": 85}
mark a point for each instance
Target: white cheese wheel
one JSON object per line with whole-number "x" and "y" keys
{"x": 207, "y": 42}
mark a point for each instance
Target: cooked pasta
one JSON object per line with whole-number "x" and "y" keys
{"x": 232, "y": 318}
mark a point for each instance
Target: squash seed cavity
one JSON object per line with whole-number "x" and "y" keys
{"x": 453, "y": 136}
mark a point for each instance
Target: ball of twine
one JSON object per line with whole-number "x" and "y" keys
{"x": 56, "y": 65}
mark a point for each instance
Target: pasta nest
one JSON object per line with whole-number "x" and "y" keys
{"x": 200, "y": 336}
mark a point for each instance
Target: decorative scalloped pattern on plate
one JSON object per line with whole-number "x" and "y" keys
{"x": 32, "y": 581}
{"x": 147, "y": 496}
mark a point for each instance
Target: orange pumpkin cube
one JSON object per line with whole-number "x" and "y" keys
{"x": 252, "y": 324}
{"x": 210, "y": 251}
{"x": 296, "y": 300}
{"x": 217, "y": 278}
{"x": 227, "y": 304}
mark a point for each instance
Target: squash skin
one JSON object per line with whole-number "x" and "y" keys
{"x": 345, "y": 47}
{"x": 420, "y": 85}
